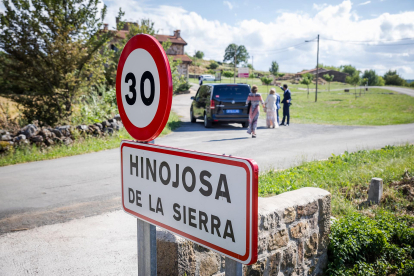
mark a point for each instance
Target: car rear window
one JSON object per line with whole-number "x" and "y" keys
{"x": 231, "y": 92}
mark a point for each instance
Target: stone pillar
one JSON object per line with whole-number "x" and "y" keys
{"x": 375, "y": 190}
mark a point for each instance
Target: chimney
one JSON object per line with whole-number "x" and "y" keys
{"x": 177, "y": 33}
{"x": 105, "y": 27}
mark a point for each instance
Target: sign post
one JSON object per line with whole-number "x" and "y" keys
{"x": 209, "y": 199}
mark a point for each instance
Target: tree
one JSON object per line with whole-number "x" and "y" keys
{"x": 381, "y": 81}
{"x": 306, "y": 81}
{"x": 281, "y": 74}
{"x": 145, "y": 26}
{"x": 213, "y": 65}
{"x": 328, "y": 78}
{"x": 329, "y": 67}
{"x": 237, "y": 54}
{"x": 250, "y": 66}
{"x": 274, "y": 68}
{"x": 51, "y": 54}
{"x": 199, "y": 54}
{"x": 353, "y": 80}
{"x": 371, "y": 76}
{"x": 392, "y": 78}
{"x": 349, "y": 69}
{"x": 228, "y": 74}
{"x": 266, "y": 81}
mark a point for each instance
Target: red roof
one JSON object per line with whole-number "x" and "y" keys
{"x": 172, "y": 38}
{"x": 184, "y": 58}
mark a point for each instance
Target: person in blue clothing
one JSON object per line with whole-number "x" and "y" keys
{"x": 277, "y": 106}
{"x": 287, "y": 101}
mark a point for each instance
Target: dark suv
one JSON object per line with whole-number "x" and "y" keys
{"x": 221, "y": 103}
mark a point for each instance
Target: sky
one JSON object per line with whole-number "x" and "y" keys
{"x": 271, "y": 29}
{"x": 268, "y": 29}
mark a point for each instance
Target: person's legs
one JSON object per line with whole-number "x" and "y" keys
{"x": 288, "y": 113}
{"x": 277, "y": 113}
{"x": 284, "y": 114}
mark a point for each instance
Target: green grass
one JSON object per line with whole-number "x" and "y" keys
{"x": 347, "y": 177}
{"x": 86, "y": 145}
{"x": 376, "y": 107}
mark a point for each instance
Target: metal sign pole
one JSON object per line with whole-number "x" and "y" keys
{"x": 233, "y": 268}
{"x": 147, "y": 246}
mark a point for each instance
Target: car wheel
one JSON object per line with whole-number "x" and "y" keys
{"x": 192, "y": 118}
{"x": 245, "y": 124}
{"x": 207, "y": 122}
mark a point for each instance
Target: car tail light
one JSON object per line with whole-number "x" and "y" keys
{"x": 212, "y": 105}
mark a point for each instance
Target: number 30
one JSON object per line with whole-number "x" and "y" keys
{"x": 147, "y": 101}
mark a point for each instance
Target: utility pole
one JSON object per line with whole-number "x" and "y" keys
{"x": 252, "y": 69}
{"x": 317, "y": 72}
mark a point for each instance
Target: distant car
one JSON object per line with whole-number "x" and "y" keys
{"x": 221, "y": 103}
{"x": 208, "y": 78}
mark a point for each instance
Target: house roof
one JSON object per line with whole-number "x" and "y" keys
{"x": 184, "y": 58}
{"x": 172, "y": 38}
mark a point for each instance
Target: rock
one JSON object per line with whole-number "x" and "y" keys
{"x": 299, "y": 230}
{"x": 308, "y": 209}
{"x": 82, "y": 127}
{"x": 289, "y": 257}
{"x": 256, "y": 269}
{"x": 49, "y": 142}
{"x": 95, "y": 130}
{"x": 19, "y": 138}
{"x": 67, "y": 141}
{"x": 6, "y": 137}
{"x": 99, "y": 125}
{"x": 111, "y": 120}
{"x": 289, "y": 215}
{"x": 274, "y": 262}
{"x": 117, "y": 127}
{"x": 109, "y": 130}
{"x": 209, "y": 263}
{"x": 57, "y": 133}
{"x": 29, "y": 131}
{"x": 57, "y": 140}
{"x": 278, "y": 240}
{"x": 311, "y": 245}
{"x": 105, "y": 123}
{"x": 2, "y": 132}
{"x": 45, "y": 133}
{"x": 36, "y": 139}
{"x": 117, "y": 117}
{"x": 65, "y": 130}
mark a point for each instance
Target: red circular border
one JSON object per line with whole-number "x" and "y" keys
{"x": 154, "y": 48}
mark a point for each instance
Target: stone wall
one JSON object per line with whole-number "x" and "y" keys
{"x": 293, "y": 240}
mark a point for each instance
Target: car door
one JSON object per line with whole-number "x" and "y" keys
{"x": 197, "y": 104}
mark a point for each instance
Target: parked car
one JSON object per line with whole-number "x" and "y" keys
{"x": 221, "y": 103}
{"x": 208, "y": 78}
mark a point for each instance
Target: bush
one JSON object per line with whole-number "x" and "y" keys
{"x": 183, "y": 87}
{"x": 381, "y": 81}
{"x": 228, "y": 74}
{"x": 213, "y": 65}
{"x": 381, "y": 245}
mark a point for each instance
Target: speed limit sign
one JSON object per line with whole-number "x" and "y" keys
{"x": 144, "y": 87}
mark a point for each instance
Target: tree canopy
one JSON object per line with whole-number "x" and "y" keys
{"x": 50, "y": 54}
{"x": 236, "y": 53}
{"x": 199, "y": 54}
{"x": 349, "y": 69}
{"x": 392, "y": 78}
{"x": 371, "y": 76}
{"x": 274, "y": 68}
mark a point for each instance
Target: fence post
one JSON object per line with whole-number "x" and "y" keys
{"x": 233, "y": 268}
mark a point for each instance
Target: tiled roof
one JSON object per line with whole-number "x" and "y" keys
{"x": 173, "y": 39}
{"x": 184, "y": 58}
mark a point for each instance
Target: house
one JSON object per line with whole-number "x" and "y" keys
{"x": 338, "y": 76}
{"x": 176, "y": 50}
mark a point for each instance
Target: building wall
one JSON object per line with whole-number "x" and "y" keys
{"x": 338, "y": 76}
{"x": 183, "y": 69}
{"x": 176, "y": 49}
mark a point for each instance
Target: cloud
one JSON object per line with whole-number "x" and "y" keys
{"x": 262, "y": 39}
{"x": 365, "y": 3}
{"x": 319, "y": 7}
{"x": 228, "y": 4}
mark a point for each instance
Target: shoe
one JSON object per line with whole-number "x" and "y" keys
{"x": 253, "y": 135}
{"x": 287, "y": 125}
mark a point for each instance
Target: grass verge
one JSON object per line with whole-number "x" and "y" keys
{"x": 81, "y": 146}
{"x": 347, "y": 177}
{"x": 376, "y": 107}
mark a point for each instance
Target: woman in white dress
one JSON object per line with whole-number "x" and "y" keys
{"x": 271, "y": 109}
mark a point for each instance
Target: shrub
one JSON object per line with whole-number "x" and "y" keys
{"x": 228, "y": 74}
{"x": 183, "y": 87}
{"x": 381, "y": 81}
{"x": 213, "y": 65}
{"x": 381, "y": 245}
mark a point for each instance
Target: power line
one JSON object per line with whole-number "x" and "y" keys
{"x": 365, "y": 43}
{"x": 378, "y": 40}
{"x": 280, "y": 49}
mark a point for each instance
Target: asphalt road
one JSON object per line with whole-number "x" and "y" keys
{"x": 47, "y": 192}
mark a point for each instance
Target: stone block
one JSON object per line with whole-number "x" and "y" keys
{"x": 308, "y": 209}
{"x": 299, "y": 230}
{"x": 289, "y": 215}
{"x": 375, "y": 190}
{"x": 274, "y": 263}
{"x": 289, "y": 257}
{"x": 278, "y": 240}
{"x": 311, "y": 245}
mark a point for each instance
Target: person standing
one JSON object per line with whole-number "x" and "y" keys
{"x": 277, "y": 107}
{"x": 200, "y": 80}
{"x": 271, "y": 109}
{"x": 287, "y": 101}
{"x": 255, "y": 99}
